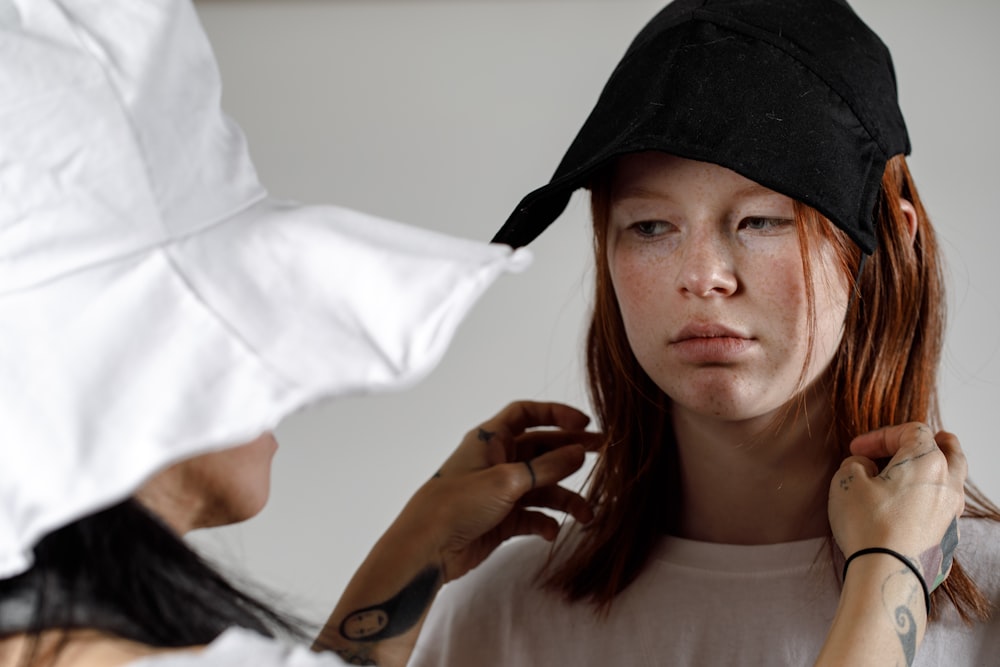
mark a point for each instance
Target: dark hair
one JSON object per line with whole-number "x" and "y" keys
{"x": 124, "y": 572}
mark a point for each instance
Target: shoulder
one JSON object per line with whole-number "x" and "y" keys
{"x": 507, "y": 573}
{"x": 979, "y": 553}
{"x": 238, "y": 647}
{"x": 480, "y": 613}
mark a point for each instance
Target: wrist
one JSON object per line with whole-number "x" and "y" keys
{"x": 900, "y": 560}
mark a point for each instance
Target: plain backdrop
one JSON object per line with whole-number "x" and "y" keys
{"x": 443, "y": 114}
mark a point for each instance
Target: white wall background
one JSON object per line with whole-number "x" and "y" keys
{"x": 443, "y": 113}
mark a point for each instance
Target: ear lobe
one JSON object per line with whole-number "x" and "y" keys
{"x": 911, "y": 216}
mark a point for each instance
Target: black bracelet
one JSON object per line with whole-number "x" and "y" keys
{"x": 901, "y": 558}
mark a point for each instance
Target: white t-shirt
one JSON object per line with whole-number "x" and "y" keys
{"x": 238, "y": 647}
{"x": 695, "y": 604}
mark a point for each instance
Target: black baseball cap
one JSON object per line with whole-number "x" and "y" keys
{"x": 797, "y": 95}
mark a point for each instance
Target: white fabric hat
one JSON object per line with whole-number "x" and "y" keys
{"x": 154, "y": 302}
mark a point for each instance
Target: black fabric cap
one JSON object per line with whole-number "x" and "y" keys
{"x": 797, "y": 95}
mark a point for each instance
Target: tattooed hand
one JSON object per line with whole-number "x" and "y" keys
{"x": 481, "y": 496}
{"x": 501, "y": 470}
{"x": 910, "y": 506}
{"x": 907, "y": 511}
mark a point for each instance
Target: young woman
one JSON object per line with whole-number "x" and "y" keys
{"x": 139, "y": 346}
{"x": 768, "y": 290}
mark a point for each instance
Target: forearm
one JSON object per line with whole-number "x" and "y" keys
{"x": 881, "y": 617}
{"x": 379, "y": 615}
{"x": 480, "y": 497}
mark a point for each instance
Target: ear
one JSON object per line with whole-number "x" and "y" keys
{"x": 911, "y": 216}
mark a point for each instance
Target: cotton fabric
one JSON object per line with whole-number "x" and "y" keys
{"x": 694, "y": 604}
{"x": 155, "y": 302}
{"x": 237, "y": 647}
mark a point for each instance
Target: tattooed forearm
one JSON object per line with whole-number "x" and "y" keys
{"x": 361, "y": 656}
{"x": 900, "y": 586}
{"x": 936, "y": 561}
{"x": 396, "y": 615}
{"x": 906, "y": 629}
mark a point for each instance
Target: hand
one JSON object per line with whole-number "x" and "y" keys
{"x": 481, "y": 495}
{"x": 911, "y": 506}
{"x": 478, "y": 499}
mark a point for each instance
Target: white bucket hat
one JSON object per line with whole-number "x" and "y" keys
{"x": 155, "y": 303}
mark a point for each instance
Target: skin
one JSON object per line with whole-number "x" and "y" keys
{"x": 910, "y": 505}
{"x": 213, "y": 489}
{"x": 693, "y": 248}
{"x": 484, "y": 493}
{"x": 695, "y": 251}
{"x": 707, "y": 270}
{"x": 84, "y": 649}
{"x": 489, "y": 490}
{"x": 708, "y": 273}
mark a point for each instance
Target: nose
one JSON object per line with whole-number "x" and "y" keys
{"x": 706, "y": 266}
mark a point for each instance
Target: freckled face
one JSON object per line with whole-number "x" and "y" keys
{"x": 707, "y": 271}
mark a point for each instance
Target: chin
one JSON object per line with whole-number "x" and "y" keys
{"x": 231, "y": 508}
{"x": 250, "y": 506}
{"x": 724, "y": 402}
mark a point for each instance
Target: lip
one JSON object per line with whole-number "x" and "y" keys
{"x": 707, "y": 330}
{"x": 710, "y": 343}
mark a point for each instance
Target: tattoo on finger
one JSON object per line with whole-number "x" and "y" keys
{"x": 531, "y": 471}
{"x": 886, "y": 474}
{"x": 484, "y": 435}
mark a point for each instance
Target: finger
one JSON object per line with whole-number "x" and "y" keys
{"x": 560, "y": 499}
{"x": 512, "y": 481}
{"x": 552, "y": 467}
{"x": 519, "y": 416}
{"x": 534, "y": 443}
{"x": 855, "y": 465}
{"x": 886, "y": 442}
{"x": 958, "y": 466}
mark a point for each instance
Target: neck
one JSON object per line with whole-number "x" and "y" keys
{"x": 760, "y": 481}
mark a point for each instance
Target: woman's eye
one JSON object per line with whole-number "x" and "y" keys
{"x": 765, "y": 224}
{"x": 650, "y": 227}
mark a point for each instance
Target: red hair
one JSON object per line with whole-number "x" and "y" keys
{"x": 884, "y": 372}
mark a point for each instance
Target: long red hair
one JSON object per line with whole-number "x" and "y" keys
{"x": 885, "y": 372}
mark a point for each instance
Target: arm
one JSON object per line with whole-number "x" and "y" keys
{"x": 911, "y": 507}
{"x": 478, "y": 499}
